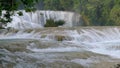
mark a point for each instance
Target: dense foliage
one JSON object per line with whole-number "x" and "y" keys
{"x": 52, "y": 23}
{"x": 9, "y": 6}
{"x": 94, "y": 12}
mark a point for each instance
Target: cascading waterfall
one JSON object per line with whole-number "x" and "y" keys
{"x": 28, "y": 45}
{"x": 49, "y": 45}
{"x": 95, "y": 38}
{"x": 38, "y": 18}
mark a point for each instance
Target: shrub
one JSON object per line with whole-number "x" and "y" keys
{"x": 60, "y": 22}
{"x": 20, "y": 13}
{"x": 52, "y": 23}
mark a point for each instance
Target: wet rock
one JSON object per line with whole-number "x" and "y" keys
{"x": 59, "y": 37}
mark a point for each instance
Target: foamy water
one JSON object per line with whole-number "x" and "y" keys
{"x": 27, "y": 44}
{"x": 82, "y": 46}
{"x": 37, "y": 19}
{"x": 103, "y": 41}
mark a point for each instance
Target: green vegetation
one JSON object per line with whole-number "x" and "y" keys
{"x": 9, "y": 6}
{"x": 59, "y": 22}
{"x": 52, "y": 23}
{"x": 94, "y": 12}
{"x": 20, "y": 13}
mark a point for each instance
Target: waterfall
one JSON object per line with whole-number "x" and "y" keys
{"x": 27, "y": 44}
{"x": 38, "y": 18}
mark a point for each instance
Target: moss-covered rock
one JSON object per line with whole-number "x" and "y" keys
{"x": 59, "y": 37}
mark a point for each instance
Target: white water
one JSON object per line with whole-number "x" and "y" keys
{"x": 54, "y": 44}
{"x": 37, "y": 19}
{"x": 103, "y": 40}
{"x": 48, "y": 49}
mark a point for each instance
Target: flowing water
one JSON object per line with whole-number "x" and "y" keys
{"x": 38, "y": 19}
{"x": 27, "y": 44}
{"x": 79, "y": 47}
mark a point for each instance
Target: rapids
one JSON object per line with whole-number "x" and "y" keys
{"x": 58, "y": 47}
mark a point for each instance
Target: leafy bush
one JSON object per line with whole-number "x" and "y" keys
{"x": 20, "y": 13}
{"x": 52, "y": 23}
{"x": 60, "y": 22}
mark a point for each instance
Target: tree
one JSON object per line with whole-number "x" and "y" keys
{"x": 115, "y": 14}
{"x": 9, "y": 6}
{"x": 52, "y": 5}
{"x": 66, "y": 5}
